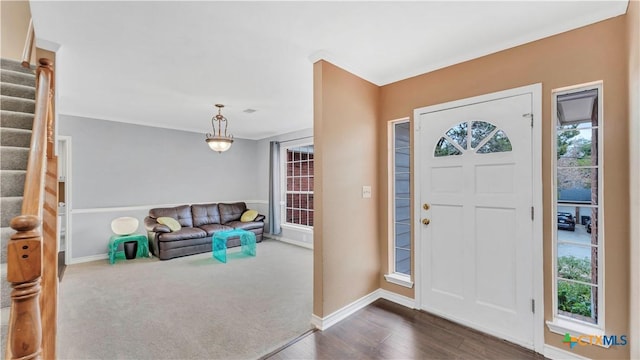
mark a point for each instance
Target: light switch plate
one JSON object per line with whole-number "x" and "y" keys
{"x": 366, "y": 192}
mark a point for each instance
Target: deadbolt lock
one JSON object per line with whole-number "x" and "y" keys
{"x": 426, "y": 206}
{"x": 426, "y": 221}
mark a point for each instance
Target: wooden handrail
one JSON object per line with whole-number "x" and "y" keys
{"x": 25, "y": 248}
{"x": 28, "y": 46}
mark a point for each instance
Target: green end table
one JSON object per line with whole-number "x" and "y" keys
{"x": 116, "y": 240}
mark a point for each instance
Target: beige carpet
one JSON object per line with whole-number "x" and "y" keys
{"x": 192, "y": 307}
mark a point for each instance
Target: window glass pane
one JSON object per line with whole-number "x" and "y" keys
{"x": 576, "y": 223}
{"x": 402, "y": 160}
{"x": 480, "y": 130}
{"x": 310, "y": 204}
{"x": 310, "y": 218}
{"x": 576, "y": 266}
{"x": 576, "y": 185}
{"x": 403, "y": 211}
{"x": 498, "y": 143}
{"x": 310, "y": 183}
{"x": 575, "y": 147}
{"x": 403, "y": 235}
{"x": 445, "y": 148}
{"x": 403, "y": 261}
{"x": 458, "y": 134}
{"x": 402, "y": 185}
{"x": 575, "y": 300}
{"x": 402, "y": 135}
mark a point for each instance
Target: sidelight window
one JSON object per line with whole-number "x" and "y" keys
{"x": 577, "y": 210}
{"x": 400, "y": 203}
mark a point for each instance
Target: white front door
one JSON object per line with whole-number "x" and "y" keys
{"x": 475, "y": 192}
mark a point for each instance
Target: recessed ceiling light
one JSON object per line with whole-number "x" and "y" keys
{"x": 249, "y": 111}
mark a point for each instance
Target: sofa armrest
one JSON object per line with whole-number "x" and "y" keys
{"x": 259, "y": 218}
{"x": 150, "y": 224}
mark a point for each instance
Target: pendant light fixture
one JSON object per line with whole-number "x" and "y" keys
{"x": 216, "y": 140}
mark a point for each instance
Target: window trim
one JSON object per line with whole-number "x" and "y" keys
{"x": 283, "y": 184}
{"x": 561, "y": 324}
{"x": 392, "y": 276}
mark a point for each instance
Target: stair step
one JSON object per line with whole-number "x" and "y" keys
{"x": 13, "y": 158}
{"x": 12, "y": 182}
{"x": 17, "y": 104}
{"x": 15, "y": 77}
{"x": 15, "y": 137}
{"x": 15, "y": 90}
{"x": 16, "y": 120}
{"x": 5, "y": 234}
{"x": 14, "y": 65}
{"x": 11, "y": 207}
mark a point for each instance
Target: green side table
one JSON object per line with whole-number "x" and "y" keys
{"x": 116, "y": 240}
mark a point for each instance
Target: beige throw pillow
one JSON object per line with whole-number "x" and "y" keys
{"x": 172, "y": 223}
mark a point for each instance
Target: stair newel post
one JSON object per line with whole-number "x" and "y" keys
{"x": 24, "y": 268}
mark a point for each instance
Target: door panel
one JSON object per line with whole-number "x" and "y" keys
{"x": 476, "y": 173}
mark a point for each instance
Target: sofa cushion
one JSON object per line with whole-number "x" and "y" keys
{"x": 246, "y": 225}
{"x": 204, "y": 214}
{"x": 185, "y": 244}
{"x": 183, "y": 234}
{"x": 172, "y": 223}
{"x": 231, "y": 212}
{"x": 181, "y": 213}
{"x": 212, "y": 228}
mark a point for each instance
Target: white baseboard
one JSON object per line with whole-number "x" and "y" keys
{"x": 85, "y": 259}
{"x": 343, "y": 313}
{"x": 289, "y": 241}
{"x": 339, "y": 315}
{"x": 552, "y": 352}
{"x": 397, "y": 298}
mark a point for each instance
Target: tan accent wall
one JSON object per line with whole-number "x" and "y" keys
{"x": 595, "y": 52}
{"x": 346, "y": 255}
{"x": 14, "y": 16}
{"x": 633, "y": 42}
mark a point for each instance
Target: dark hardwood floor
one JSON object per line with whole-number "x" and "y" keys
{"x": 385, "y": 330}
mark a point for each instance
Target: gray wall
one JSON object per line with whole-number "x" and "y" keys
{"x": 124, "y": 165}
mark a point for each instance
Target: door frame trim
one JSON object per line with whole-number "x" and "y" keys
{"x": 538, "y": 260}
{"x": 68, "y": 256}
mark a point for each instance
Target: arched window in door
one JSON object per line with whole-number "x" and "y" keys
{"x": 480, "y": 137}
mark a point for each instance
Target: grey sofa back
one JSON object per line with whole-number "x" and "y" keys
{"x": 181, "y": 213}
{"x": 231, "y": 212}
{"x": 204, "y": 214}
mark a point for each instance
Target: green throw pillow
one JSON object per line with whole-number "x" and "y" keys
{"x": 172, "y": 223}
{"x": 249, "y": 215}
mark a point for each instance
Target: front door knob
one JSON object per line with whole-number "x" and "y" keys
{"x": 426, "y": 221}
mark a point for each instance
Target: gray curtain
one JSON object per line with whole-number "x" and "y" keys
{"x": 274, "y": 188}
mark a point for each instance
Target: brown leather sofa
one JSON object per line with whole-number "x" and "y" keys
{"x": 199, "y": 222}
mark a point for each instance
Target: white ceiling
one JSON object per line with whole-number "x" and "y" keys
{"x": 166, "y": 63}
